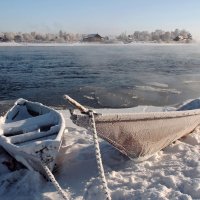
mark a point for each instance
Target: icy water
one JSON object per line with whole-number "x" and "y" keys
{"x": 101, "y": 75}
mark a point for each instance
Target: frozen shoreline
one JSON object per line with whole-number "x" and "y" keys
{"x": 173, "y": 173}
{"x": 14, "y": 44}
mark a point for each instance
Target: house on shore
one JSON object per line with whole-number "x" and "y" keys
{"x": 93, "y": 38}
{"x": 182, "y": 38}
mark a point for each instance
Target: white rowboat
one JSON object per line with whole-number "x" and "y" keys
{"x": 32, "y": 133}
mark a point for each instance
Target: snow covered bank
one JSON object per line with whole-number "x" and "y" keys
{"x": 173, "y": 173}
{"x": 9, "y": 44}
{"x": 25, "y": 44}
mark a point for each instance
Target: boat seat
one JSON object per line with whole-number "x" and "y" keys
{"x": 19, "y": 112}
{"x": 33, "y": 135}
{"x": 29, "y": 124}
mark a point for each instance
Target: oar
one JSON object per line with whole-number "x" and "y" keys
{"x": 76, "y": 104}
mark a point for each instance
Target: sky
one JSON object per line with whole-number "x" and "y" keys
{"x": 106, "y": 17}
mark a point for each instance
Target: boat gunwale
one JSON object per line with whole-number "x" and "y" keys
{"x": 124, "y": 117}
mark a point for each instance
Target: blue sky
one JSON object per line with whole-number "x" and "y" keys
{"x": 102, "y": 16}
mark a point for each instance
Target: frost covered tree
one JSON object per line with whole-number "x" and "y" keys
{"x": 122, "y": 37}
{"x": 50, "y": 37}
{"x": 60, "y": 34}
{"x": 158, "y": 36}
{"x": 166, "y": 36}
{"x": 27, "y": 37}
{"x": 18, "y": 37}
{"x": 184, "y": 33}
{"x": 39, "y": 37}
{"x": 1, "y": 37}
{"x": 9, "y": 36}
{"x": 177, "y": 32}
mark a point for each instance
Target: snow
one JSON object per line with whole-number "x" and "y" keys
{"x": 13, "y": 44}
{"x": 173, "y": 173}
{"x": 158, "y": 88}
{"x": 117, "y": 43}
{"x": 54, "y": 44}
{"x": 190, "y": 82}
{"x": 9, "y": 44}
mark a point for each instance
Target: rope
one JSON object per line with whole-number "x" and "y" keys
{"x": 53, "y": 180}
{"x": 98, "y": 157}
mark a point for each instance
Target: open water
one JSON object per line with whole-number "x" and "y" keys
{"x": 101, "y": 75}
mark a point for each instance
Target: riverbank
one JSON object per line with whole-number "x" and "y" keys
{"x": 173, "y": 173}
{"x": 54, "y": 44}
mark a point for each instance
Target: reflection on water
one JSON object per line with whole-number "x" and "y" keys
{"x": 101, "y": 76}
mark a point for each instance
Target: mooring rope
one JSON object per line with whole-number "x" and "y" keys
{"x": 54, "y": 182}
{"x": 98, "y": 157}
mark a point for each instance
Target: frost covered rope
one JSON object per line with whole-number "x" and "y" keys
{"x": 53, "y": 180}
{"x": 96, "y": 143}
{"x": 98, "y": 157}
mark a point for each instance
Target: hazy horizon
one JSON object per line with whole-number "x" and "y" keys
{"x": 105, "y": 17}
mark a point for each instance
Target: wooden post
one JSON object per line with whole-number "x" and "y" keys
{"x": 76, "y": 104}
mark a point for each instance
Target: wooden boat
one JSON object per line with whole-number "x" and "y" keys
{"x": 140, "y": 135}
{"x": 32, "y": 133}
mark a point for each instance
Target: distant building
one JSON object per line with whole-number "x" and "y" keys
{"x": 93, "y": 38}
{"x": 181, "y": 38}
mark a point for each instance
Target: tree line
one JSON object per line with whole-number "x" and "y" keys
{"x": 157, "y": 36}
{"x": 63, "y": 37}
{"x": 35, "y": 37}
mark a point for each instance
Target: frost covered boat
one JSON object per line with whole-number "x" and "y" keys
{"x": 139, "y": 135}
{"x": 32, "y": 133}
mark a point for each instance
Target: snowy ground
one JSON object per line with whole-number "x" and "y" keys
{"x": 173, "y": 173}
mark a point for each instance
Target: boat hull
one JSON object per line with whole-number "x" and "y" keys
{"x": 140, "y": 135}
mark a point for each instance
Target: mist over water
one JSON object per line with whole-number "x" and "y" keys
{"x": 101, "y": 75}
